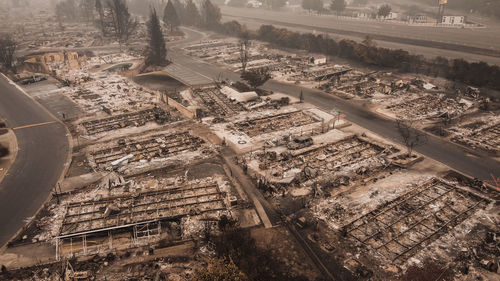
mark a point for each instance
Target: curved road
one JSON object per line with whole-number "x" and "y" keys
{"x": 43, "y": 150}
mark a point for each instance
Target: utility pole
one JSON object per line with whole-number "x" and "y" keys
{"x": 441, "y": 5}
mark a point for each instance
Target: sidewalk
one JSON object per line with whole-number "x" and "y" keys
{"x": 261, "y": 205}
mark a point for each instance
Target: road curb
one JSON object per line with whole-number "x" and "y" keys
{"x": 65, "y": 166}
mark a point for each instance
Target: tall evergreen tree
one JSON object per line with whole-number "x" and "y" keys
{"x": 211, "y": 15}
{"x": 156, "y": 52}
{"x": 180, "y": 8}
{"x": 170, "y": 16}
{"x": 192, "y": 16}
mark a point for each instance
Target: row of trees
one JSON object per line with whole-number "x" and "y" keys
{"x": 478, "y": 74}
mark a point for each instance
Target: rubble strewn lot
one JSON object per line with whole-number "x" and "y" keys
{"x": 216, "y": 103}
{"x": 378, "y": 216}
{"x": 150, "y": 150}
{"x": 318, "y": 162}
{"x": 438, "y": 105}
{"x": 165, "y": 176}
{"x": 396, "y": 229}
{"x": 482, "y": 133}
{"x": 158, "y": 115}
{"x": 146, "y": 206}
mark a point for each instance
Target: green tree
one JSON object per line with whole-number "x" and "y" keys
{"x": 256, "y": 77}
{"x": 211, "y": 15}
{"x": 384, "y": 10}
{"x": 338, "y": 6}
{"x": 192, "y": 17}
{"x": 219, "y": 270}
{"x": 156, "y": 52}
{"x": 170, "y": 16}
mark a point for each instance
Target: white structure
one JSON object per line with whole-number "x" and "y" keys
{"x": 391, "y": 16}
{"x": 363, "y": 15}
{"x": 317, "y": 60}
{"x": 418, "y": 19}
{"x": 234, "y": 95}
{"x": 453, "y": 20}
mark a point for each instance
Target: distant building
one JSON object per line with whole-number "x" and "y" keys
{"x": 391, "y": 16}
{"x": 458, "y": 20}
{"x": 418, "y": 19}
{"x": 421, "y": 19}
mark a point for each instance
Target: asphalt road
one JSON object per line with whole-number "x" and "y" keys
{"x": 43, "y": 150}
{"x": 436, "y": 148}
{"x": 479, "y": 44}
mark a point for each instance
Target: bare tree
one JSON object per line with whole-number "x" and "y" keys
{"x": 7, "y": 49}
{"x": 219, "y": 80}
{"x": 123, "y": 24}
{"x": 410, "y": 136}
{"x": 244, "y": 49}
